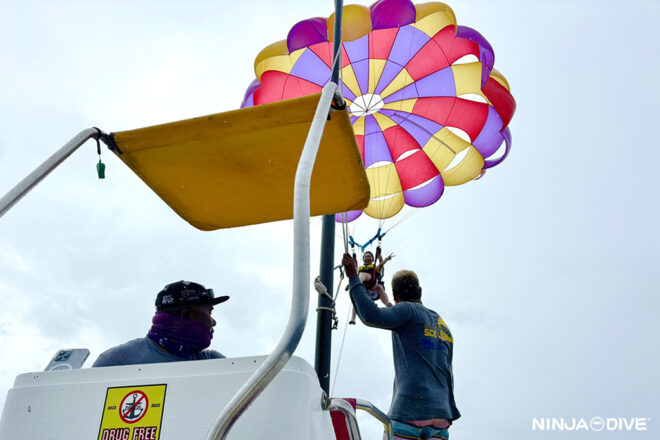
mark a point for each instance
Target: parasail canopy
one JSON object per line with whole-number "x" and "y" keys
{"x": 427, "y": 107}
{"x": 238, "y": 168}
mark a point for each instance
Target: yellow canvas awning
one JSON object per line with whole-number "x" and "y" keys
{"x": 237, "y": 168}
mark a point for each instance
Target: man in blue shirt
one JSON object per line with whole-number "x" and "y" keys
{"x": 423, "y": 403}
{"x": 181, "y": 330}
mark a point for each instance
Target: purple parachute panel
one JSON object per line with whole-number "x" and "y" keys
{"x": 248, "y": 99}
{"x": 506, "y": 135}
{"x": 490, "y": 138}
{"x": 486, "y": 53}
{"x": 387, "y": 14}
{"x": 426, "y": 195}
{"x": 307, "y": 33}
{"x": 347, "y": 217}
{"x": 407, "y": 43}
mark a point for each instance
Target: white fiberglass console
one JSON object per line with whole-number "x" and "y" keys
{"x": 167, "y": 401}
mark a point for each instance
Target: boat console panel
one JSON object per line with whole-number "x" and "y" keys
{"x": 168, "y": 401}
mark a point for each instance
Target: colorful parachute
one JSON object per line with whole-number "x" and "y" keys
{"x": 427, "y": 107}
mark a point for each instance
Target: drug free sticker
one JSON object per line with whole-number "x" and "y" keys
{"x": 133, "y": 413}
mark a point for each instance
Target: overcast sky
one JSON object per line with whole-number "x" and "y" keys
{"x": 545, "y": 270}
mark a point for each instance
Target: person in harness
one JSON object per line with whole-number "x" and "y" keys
{"x": 371, "y": 275}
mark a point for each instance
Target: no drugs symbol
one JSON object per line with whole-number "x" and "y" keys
{"x": 134, "y": 406}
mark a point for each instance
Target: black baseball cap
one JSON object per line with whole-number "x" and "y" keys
{"x": 186, "y": 293}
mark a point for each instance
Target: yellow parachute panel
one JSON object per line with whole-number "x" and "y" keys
{"x": 386, "y": 191}
{"x": 434, "y": 16}
{"x": 355, "y": 23}
{"x": 469, "y": 168}
{"x": 278, "y": 48}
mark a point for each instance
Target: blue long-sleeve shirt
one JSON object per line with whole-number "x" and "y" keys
{"x": 423, "y": 347}
{"x": 145, "y": 351}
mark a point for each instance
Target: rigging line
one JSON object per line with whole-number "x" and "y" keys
{"x": 341, "y": 350}
{"x": 412, "y": 211}
{"x": 339, "y": 233}
{"x": 346, "y": 232}
{"x": 404, "y": 217}
{"x": 409, "y": 214}
{"x": 342, "y": 218}
{"x": 360, "y": 106}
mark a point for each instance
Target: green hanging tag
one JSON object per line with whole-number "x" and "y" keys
{"x": 100, "y": 169}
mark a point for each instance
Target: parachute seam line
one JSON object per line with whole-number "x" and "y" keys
{"x": 389, "y": 176}
{"x": 389, "y": 173}
{"x": 372, "y": 75}
{"x": 444, "y": 144}
{"x": 406, "y": 116}
{"x": 381, "y": 206}
{"x": 352, "y": 90}
{"x": 403, "y": 67}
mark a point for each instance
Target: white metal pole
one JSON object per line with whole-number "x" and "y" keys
{"x": 274, "y": 363}
{"x": 36, "y": 176}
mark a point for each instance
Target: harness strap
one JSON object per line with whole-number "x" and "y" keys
{"x": 374, "y": 273}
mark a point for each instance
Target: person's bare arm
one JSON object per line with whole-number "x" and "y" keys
{"x": 383, "y": 261}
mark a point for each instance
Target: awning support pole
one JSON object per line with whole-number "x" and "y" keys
{"x": 267, "y": 371}
{"x": 36, "y": 176}
{"x": 323, "y": 351}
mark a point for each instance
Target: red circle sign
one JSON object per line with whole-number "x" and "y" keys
{"x": 134, "y": 406}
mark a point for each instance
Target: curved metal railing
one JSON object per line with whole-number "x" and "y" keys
{"x": 301, "y": 279}
{"x": 367, "y": 406}
{"x": 345, "y": 408}
{"x": 342, "y": 405}
{"x": 31, "y": 180}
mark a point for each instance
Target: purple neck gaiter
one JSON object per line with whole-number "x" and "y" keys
{"x": 180, "y": 336}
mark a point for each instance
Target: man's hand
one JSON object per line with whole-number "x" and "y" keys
{"x": 350, "y": 266}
